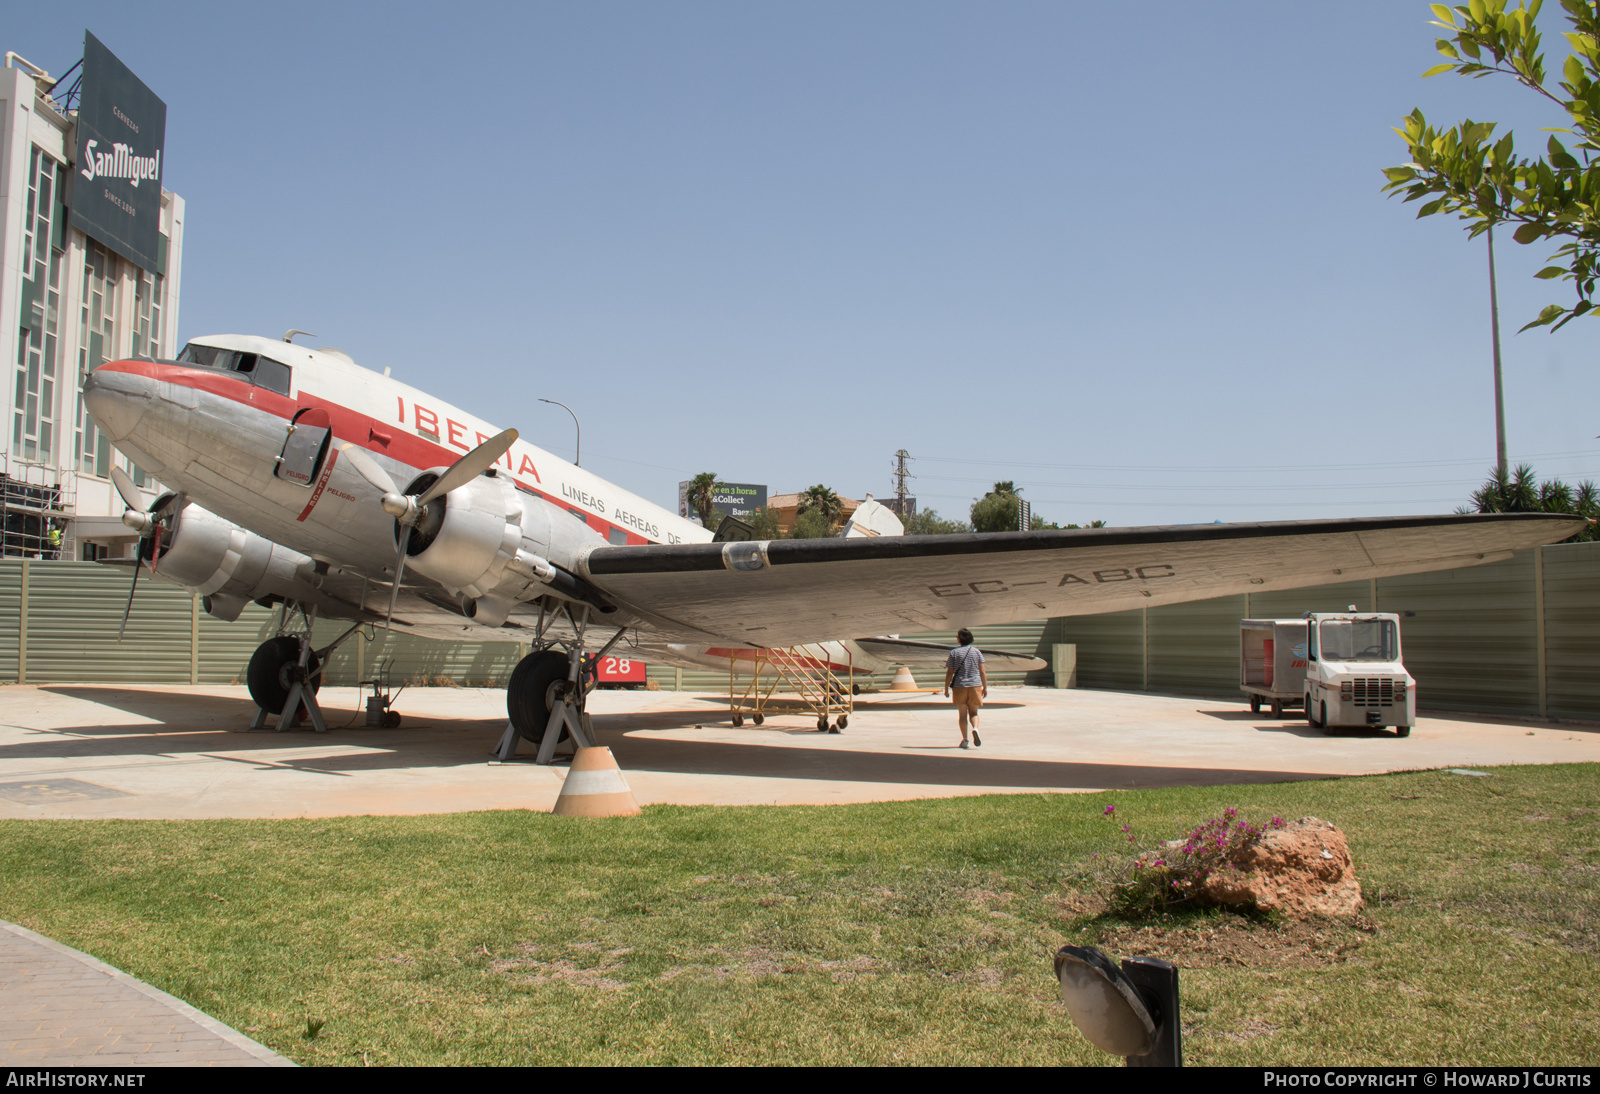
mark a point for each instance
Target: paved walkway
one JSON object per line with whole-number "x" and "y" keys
{"x": 62, "y": 1008}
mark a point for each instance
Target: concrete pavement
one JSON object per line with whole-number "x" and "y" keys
{"x": 182, "y": 752}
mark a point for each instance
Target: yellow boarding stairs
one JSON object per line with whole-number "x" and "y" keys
{"x": 810, "y": 673}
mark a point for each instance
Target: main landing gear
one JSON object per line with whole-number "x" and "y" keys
{"x": 285, "y": 673}
{"x": 548, "y": 689}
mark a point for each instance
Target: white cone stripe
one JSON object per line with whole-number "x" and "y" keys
{"x": 595, "y": 782}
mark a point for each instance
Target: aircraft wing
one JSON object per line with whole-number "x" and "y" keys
{"x": 786, "y": 592}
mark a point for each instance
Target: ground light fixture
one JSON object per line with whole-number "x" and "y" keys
{"x": 1130, "y": 1011}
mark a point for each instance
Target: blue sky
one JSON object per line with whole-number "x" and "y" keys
{"x": 1133, "y": 257}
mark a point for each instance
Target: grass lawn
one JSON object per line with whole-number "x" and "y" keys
{"x": 906, "y": 932}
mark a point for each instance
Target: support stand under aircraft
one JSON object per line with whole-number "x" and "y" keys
{"x": 549, "y": 689}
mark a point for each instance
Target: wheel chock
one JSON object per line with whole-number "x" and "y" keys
{"x": 594, "y": 787}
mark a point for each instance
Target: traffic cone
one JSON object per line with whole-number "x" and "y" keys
{"x": 903, "y": 680}
{"x": 595, "y": 787}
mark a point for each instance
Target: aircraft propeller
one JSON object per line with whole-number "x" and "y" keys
{"x": 408, "y": 509}
{"x": 147, "y": 523}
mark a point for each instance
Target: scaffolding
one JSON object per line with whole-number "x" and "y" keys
{"x": 33, "y": 519}
{"x": 817, "y": 685}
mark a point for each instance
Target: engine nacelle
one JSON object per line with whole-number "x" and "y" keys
{"x": 224, "y": 563}
{"x": 493, "y": 545}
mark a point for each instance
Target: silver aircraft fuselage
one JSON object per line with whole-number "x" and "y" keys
{"x": 216, "y": 437}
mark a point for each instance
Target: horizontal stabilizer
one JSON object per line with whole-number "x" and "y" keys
{"x": 899, "y": 651}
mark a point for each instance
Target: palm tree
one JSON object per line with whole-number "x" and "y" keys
{"x": 1522, "y": 492}
{"x": 702, "y": 488}
{"x": 1518, "y": 493}
{"x": 997, "y": 510}
{"x": 823, "y": 501}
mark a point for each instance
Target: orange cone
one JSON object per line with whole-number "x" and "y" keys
{"x": 595, "y": 787}
{"x": 903, "y": 680}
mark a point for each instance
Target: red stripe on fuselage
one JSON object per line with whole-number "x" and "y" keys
{"x": 349, "y": 426}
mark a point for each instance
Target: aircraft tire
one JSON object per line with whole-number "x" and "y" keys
{"x": 268, "y": 674}
{"x": 530, "y": 690}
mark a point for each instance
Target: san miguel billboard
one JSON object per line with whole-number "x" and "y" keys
{"x": 116, "y": 183}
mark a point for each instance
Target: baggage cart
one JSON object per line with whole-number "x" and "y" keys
{"x": 1272, "y": 663}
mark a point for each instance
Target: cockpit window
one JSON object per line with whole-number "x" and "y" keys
{"x": 206, "y": 356}
{"x": 272, "y": 375}
{"x": 259, "y": 370}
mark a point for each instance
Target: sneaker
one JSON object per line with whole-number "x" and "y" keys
{"x": 977, "y": 742}
{"x": 964, "y": 743}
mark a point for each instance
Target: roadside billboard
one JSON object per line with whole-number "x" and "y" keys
{"x": 739, "y": 499}
{"x": 116, "y": 181}
{"x": 733, "y": 499}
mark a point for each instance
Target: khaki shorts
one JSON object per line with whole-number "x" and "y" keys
{"x": 971, "y": 698}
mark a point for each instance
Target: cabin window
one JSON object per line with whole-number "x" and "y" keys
{"x": 617, "y": 536}
{"x": 306, "y": 446}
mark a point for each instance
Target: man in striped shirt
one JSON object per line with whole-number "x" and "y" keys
{"x": 964, "y": 671}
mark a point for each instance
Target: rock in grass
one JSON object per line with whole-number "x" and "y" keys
{"x": 1302, "y": 869}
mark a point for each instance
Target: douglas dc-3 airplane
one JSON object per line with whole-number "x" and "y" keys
{"x": 301, "y": 479}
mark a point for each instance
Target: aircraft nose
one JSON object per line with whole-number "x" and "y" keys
{"x": 116, "y": 400}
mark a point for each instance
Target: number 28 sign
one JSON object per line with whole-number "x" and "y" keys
{"x": 615, "y": 669}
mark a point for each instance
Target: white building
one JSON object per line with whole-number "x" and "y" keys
{"x": 67, "y": 304}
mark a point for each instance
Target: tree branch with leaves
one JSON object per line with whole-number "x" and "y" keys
{"x": 1465, "y": 171}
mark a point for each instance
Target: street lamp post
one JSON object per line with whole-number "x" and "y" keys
{"x": 577, "y": 447}
{"x": 1499, "y": 393}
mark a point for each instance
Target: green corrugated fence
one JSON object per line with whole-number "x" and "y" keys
{"x": 1515, "y": 637}
{"x": 1519, "y": 637}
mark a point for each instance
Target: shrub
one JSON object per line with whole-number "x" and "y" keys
{"x": 1175, "y": 873}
